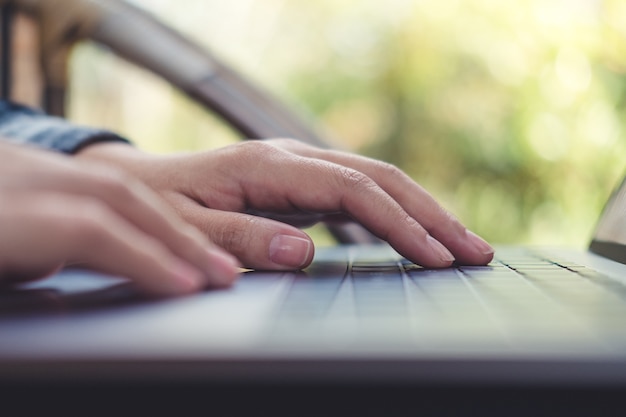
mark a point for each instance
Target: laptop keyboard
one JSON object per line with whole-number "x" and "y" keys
{"x": 519, "y": 296}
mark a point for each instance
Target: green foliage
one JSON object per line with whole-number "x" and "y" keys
{"x": 511, "y": 113}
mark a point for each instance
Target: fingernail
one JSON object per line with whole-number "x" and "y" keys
{"x": 480, "y": 244}
{"x": 291, "y": 251}
{"x": 223, "y": 267}
{"x": 443, "y": 253}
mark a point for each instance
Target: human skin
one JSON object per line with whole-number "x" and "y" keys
{"x": 249, "y": 197}
{"x": 55, "y": 211}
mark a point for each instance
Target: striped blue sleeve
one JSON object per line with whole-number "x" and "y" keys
{"x": 20, "y": 124}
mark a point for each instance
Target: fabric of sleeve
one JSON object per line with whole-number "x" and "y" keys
{"x": 20, "y": 124}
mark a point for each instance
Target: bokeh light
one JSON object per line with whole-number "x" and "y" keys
{"x": 511, "y": 113}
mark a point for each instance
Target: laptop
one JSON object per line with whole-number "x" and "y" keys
{"x": 362, "y": 331}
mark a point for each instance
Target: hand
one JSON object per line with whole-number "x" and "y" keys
{"x": 220, "y": 191}
{"x": 55, "y": 211}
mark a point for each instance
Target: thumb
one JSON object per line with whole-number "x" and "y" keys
{"x": 257, "y": 242}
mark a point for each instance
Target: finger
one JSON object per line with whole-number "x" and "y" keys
{"x": 257, "y": 242}
{"x": 78, "y": 229}
{"x": 133, "y": 201}
{"x": 466, "y": 246}
{"x": 20, "y": 258}
{"x": 140, "y": 206}
{"x": 311, "y": 185}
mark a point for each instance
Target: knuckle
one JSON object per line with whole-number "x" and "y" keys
{"x": 354, "y": 179}
{"x": 248, "y": 154}
{"x": 288, "y": 143}
{"x": 233, "y": 235}
{"x": 452, "y": 220}
{"x": 257, "y": 147}
{"x": 389, "y": 170}
{"x": 445, "y": 222}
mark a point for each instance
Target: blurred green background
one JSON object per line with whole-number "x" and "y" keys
{"x": 512, "y": 113}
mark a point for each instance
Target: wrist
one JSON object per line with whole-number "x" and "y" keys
{"x": 159, "y": 172}
{"x": 107, "y": 151}
{"x": 119, "y": 155}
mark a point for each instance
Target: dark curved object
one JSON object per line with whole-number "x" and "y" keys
{"x": 140, "y": 38}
